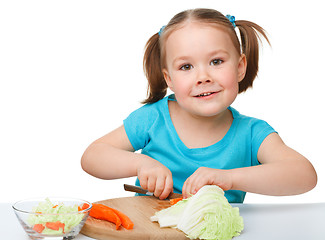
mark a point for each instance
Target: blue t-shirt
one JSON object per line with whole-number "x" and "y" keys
{"x": 150, "y": 128}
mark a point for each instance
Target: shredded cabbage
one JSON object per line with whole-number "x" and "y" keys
{"x": 205, "y": 215}
{"x": 53, "y": 213}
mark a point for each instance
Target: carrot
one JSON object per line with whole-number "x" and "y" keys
{"x": 126, "y": 221}
{"x": 175, "y": 200}
{"x": 83, "y": 207}
{"x": 55, "y": 225}
{"x": 38, "y": 228}
{"x": 103, "y": 212}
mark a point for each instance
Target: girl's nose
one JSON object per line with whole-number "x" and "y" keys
{"x": 203, "y": 81}
{"x": 203, "y": 76}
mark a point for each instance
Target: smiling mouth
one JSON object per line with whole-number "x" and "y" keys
{"x": 205, "y": 94}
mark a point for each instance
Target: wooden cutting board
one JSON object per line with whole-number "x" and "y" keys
{"x": 139, "y": 209}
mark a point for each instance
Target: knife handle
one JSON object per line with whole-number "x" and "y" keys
{"x": 140, "y": 190}
{"x": 136, "y": 189}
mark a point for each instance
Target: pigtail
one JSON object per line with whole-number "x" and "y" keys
{"x": 157, "y": 87}
{"x": 250, "y": 34}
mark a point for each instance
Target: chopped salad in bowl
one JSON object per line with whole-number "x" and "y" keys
{"x": 62, "y": 218}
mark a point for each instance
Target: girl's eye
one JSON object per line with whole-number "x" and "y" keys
{"x": 215, "y": 62}
{"x": 186, "y": 67}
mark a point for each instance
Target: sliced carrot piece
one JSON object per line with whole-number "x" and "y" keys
{"x": 126, "y": 221}
{"x": 175, "y": 200}
{"x": 83, "y": 207}
{"x": 38, "y": 228}
{"x": 103, "y": 212}
{"x": 55, "y": 225}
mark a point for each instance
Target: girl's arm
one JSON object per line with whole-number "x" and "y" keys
{"x": 112, "y": 156}
{"x": 283, "y": 171}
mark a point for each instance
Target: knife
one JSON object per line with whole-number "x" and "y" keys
{"x": 140, "y": 190}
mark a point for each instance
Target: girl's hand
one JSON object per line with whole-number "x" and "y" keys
{"x": 206, "y": 176}
{"x": 155, "y": 177}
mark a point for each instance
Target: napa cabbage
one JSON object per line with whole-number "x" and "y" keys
{"x": 205, "y": 215}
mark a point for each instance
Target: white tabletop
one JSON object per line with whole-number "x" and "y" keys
{"x": 262, "y": 221}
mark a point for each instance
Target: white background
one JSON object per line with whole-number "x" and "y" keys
{"x": 71, "y": 71}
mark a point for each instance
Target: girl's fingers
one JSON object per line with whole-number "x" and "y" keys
{"x": 192, "y": 184}
{"x": 151, "y": 184}
{"x": 186, "y": 188}
{"x": 157, "y": 179}
{"x": 168, "y": 187}
{"x": 160, "y": 185}
{"x": 143, "y": 182}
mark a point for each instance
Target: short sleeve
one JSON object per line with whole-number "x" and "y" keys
{"x": 260, "y": 130}
{"x": 137, "y": 126}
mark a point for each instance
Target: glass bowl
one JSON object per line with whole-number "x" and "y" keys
{"x": 52, "y": 218}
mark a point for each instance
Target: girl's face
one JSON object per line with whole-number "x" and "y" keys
{"x": 203, "y": 68}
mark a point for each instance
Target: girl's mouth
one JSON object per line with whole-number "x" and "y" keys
{"x": 205, "y": 94}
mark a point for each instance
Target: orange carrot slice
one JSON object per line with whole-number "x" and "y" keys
{"x": 103, "y": 212}
{"x": 175, "y": 200}
{"x": 38, "y": 228}
{"x": 126, "y": 221}
{"x": 55, "y": 225}
{"x": 83, "y": 207}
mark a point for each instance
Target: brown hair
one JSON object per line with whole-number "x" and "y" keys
{"x": 154, "y": 57}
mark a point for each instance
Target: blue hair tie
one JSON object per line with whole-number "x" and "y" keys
{"x": 161, "y": 30}
{"x": 231, "y": 19}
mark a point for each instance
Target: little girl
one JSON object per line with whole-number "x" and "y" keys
{"x": 194, "y": 137}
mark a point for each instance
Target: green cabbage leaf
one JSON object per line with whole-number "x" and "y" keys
{"x": 205, "y": 215}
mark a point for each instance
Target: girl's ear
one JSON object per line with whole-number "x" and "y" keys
{"x": 242, "y": 65}
{"x": 167, "y": 79}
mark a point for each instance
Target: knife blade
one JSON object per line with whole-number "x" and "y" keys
{"x": 140, "y": 190}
